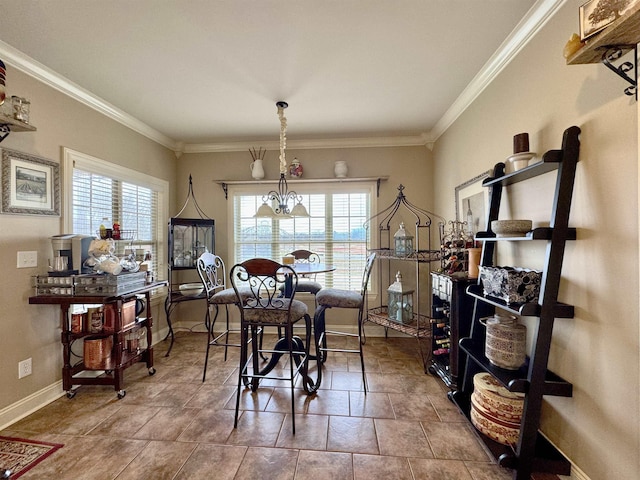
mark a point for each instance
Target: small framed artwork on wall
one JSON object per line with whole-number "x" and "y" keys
{"x": 30, "y": 184}
{"x": 596, "y": 15}
{"x": 471, "y": 203}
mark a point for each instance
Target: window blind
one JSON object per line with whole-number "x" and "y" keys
{"x": 334, "y": 230}
{"x": 102, "y": 194}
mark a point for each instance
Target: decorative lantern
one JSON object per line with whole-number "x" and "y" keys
{"x": 400, "y": 307}
{"x": 403, "y": 242}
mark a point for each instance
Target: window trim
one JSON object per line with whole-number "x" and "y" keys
{"x": 72, "y": 158}
{"x": 302, "y": 187}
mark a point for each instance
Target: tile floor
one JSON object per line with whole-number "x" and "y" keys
{"x": 173, "y": 426}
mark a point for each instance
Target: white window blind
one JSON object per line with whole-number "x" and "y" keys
{"x": 334, "y": 229}
{"x": 102, "y": 194}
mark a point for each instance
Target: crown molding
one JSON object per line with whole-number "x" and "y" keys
{"x": 40, "y": 72}
{"x": 526, "y": 29}
{"x": 364, "y": 142}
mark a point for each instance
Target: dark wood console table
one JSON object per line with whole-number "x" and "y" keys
{"x": 121, "y": 357}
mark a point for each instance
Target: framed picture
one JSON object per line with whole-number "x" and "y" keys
{"x": 472, "y": 201}
{"x": 595, "y": 15}
{"x": 30, "y": 185}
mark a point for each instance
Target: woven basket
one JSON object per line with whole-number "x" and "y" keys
{"x": 97, "y": 353}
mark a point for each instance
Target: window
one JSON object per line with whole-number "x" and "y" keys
{"x": 99, "y": 193}
{"x": 334, "y": 229}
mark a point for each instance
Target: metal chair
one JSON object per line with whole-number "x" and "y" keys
{"x": 338, "y": 298}
{"x": 308, "y": 283}
{"x": 264, "y": 307}
{"x": 212, "y": 273}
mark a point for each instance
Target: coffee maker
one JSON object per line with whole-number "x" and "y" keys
{"x": 75, "y": 249}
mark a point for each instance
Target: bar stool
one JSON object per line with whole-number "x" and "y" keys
{"x": 307, "y": 283}
{"x": 338, "y": 298}
{"x": 265, "y": 307}
{"x": 211, "y": 270}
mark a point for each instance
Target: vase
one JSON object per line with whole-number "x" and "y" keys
{"x": 257, "y": 171}
{"x": 340, "y": 169}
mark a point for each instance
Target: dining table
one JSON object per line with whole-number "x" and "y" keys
{"x": 305, "y": 270}
{"x": 282, "y": 345}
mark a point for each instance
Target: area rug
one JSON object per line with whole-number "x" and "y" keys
{"x": 19, "y": 455}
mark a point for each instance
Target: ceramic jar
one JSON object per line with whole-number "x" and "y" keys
{"x": 505, "y": 344}
{"x": 295, "y": 169}
{"x": 340, "y": 169}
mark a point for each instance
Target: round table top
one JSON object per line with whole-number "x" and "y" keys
{"x": 312, "y": 268}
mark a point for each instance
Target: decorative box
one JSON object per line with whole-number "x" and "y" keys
{"x": 495, "y": 411}
{"x": 111, "y": 312}
{"x": 107, "y": 285}
{"x": 513, "y": 285}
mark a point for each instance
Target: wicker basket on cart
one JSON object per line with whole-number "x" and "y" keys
{"x": 97, "y": 352}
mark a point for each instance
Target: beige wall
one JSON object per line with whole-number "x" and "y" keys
{"x": 537, "y": 93}
{"x": 33, "y": 330}
{"x": 410, "y": 166}
{"x": 598, "y": 349}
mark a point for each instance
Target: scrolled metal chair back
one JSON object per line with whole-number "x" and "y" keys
{"x": 211, "y": 270}
{"x": 263, "y": 278}
{"x": 305, "y": 256}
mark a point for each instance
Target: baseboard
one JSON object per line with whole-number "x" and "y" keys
{"x": 17, "y": 411}
{"x": 371, "y": 329}
{"x": 576, "y": 474}
{"x": 26, "y": 406}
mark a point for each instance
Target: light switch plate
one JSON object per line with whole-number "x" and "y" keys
{"x": 27, "y": 259}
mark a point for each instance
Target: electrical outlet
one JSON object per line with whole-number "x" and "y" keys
{"x": 24, "y": 368}
{"x": 27, "y": 259}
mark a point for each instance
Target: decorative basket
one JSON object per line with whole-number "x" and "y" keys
{"x": 513, "y": 285}
{"x": 97, "y": 353}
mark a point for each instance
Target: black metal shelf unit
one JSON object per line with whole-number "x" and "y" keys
{"x": 532, "y": 452}
{"x": 420, "y": 260}
{"x": 188, "y": 238}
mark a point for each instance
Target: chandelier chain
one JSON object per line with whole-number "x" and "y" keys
{"x": 283, "y": 139}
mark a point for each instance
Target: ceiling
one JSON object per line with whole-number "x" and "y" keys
{"x": 204, "y": 75}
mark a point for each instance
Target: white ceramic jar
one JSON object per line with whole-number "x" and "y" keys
{"x": 340, "y": 169}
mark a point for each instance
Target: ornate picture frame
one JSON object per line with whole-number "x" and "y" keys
{"x": 30, "y": 184}
{"x": 472, "y": 201}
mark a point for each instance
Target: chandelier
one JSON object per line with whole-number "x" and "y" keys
{"x": 283, "y": 196}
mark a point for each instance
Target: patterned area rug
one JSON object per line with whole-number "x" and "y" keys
{"x": 19, "y": 455}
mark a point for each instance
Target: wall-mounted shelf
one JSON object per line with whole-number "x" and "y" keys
{"x": 225, "y": 183}
{"x": 9, "y": 124}
{"x": 619, "y": 38}
{"x": 624, "y": 31}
